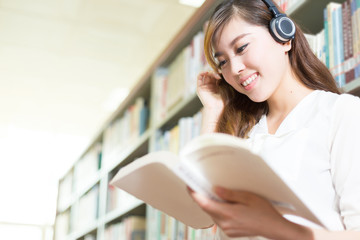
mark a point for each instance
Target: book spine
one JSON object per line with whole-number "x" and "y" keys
{"x": 326, "y": 38}
{"x": 130, "y": 228}
{"x": 87, "y": 212}
{"x": 349, "y": 62}
{"x": 86, "y": 168}
{"x": 124, "y": 131}
{"x": 330, "y": 35}
{"x": 62, "y": 226}
{"x": 175, "y": 138}
{"x": 357, "y": 22}
{"x": 65, "y": 191}
{"x": 340, "y": 47}
{"x": 321, "y": 47}
{"x": 355, "y": 38}
{"x": 158, "y": 92}
{"x": 345, "y": 25}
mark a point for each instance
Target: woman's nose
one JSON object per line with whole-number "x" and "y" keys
{"x": 237, "y": 65}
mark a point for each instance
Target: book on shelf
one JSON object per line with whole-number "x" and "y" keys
{"x": 177, "y": 136}
{"x": 119, "y": 199}
{"x": 348, "y": 42}
{"x": 160, "y": 179}
{"x": 339, "y": 47}
{"x": 124, "y": 130}
{"x": 87, "y": 166}
{"x": 90, "y": 237}
{"x": 177, "y": 80}
{"x": 62, "y": 225}
{"x": 65, "y": 191}
{"x": 158, "y": 92}
{"x": 341, "y": 21}
{"x": 131, "y": 227}
{"x": 355, "y": 18}
{"x": 162, "y": 226}
{"x": 87, "y": 209}
{"x": 317, "y": 44}
{"x": 333, "y": 22}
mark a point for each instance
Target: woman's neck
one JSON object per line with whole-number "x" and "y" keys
{"x": 284, "y": 100}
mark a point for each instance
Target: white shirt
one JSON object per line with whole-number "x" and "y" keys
{"x": 316, "y": 149}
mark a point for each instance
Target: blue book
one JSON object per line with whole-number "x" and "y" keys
{"x": 335, "y": 28}
{"x": 144, "y": 116}
{"x": 326, "y": 38}
{"x": 340, "y": 43}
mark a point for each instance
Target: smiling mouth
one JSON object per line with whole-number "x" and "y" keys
{"x": 249, "y": 80}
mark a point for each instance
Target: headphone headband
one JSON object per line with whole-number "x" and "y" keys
{"x": 273, "y": 9}
{"x": 281, "y": 27}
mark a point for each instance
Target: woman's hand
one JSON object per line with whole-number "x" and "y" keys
{"x": 247, "y": 214}
{"x": 208, "y": 92}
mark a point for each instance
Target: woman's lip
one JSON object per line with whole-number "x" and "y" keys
{"x": 243, "y": 79}
{"x": 252, "y": 83}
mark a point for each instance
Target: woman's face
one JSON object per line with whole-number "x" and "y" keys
{"x": 250, "y": 60}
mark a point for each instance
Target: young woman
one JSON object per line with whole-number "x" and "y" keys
{"x": 284, "y": 101}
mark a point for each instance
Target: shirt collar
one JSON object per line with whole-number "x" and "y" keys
{"x": 293, "y": 121}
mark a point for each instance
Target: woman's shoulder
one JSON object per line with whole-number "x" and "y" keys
{"x": 340, "y": 108}
{"x": 338, "y": 102}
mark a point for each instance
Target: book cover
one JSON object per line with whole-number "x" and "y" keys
{"x": 160, "y": 179}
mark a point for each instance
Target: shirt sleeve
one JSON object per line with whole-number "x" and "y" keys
{"x": 345, "y": 158}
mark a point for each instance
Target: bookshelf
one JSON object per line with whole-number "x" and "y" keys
{"x": 313, "y": 22}
{"x": 90, "y": 209}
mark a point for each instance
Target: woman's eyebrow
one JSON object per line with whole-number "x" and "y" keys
{"x": 232, "y": 43}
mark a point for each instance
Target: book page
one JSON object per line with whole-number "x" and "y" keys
{"x": 151, "y": 179}
{"x": 226, "y": 161}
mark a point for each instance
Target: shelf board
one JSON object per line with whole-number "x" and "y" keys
{"x": 77, "y": 195}
{"x": 295, "y": 6}
{"x": 184, "y": 36}
{"x": 133, "y": 208}
{"x": 80, "y": 233}
{"x": 353, "y": 87}
{"x": 309, "y": 14}
{"x": 139, "y": 147}
{"x": 186, "y": 107}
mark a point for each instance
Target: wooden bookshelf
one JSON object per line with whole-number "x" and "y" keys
{"x": 309, "y": 14}
{"x": 353, "y": 87}
{"x": 313, "y": 10}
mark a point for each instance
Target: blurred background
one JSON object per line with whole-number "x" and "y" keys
{"x": 65, "y": 66}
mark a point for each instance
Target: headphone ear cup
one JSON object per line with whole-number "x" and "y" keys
{"x": 282, "y": 28}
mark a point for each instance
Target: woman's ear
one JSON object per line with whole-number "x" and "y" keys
{"x": 287, "y": 46}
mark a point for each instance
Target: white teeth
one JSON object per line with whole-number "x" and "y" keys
{"x": 249, "y": 80}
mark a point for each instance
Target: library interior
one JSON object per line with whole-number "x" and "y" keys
{"x": 89, "y": 87}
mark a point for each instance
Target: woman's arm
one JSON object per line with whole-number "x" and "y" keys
{"x": 209, "y": 120}
{"x": 207, "y": 91}
{"x": 247, "y": 214}
{"x": 328, "y": 235}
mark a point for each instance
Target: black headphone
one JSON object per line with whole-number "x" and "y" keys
{"x": 282, "y": 28}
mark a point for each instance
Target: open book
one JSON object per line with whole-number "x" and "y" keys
{"x": 160, "y": 179}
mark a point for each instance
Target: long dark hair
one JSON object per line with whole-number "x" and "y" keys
{"x": 240, "y": 113}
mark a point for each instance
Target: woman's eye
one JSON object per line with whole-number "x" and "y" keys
{"x": 221, "y": 63}
{"x": 242, "y": 48}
